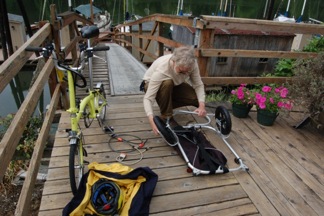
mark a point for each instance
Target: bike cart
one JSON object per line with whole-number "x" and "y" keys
{"x": 205, "y": 158}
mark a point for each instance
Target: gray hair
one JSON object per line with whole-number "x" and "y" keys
{"x": 184, "y": 56}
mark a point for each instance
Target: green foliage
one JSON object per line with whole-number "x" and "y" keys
{"x": 315, "y": 45}
{"x": 307, "y": 87}
{"x": 25, "y": 146}
{"x": 284, "y": 67}
{"x": 216, "y": 96}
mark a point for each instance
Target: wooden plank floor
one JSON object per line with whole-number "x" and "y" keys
{"x": 286, "y": 174}
{"x": 285, "y": 177}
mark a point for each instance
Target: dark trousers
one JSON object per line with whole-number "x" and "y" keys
{"x": 170, "y": 97}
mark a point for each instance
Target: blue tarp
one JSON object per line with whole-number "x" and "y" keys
{"x": 86, "y": 10}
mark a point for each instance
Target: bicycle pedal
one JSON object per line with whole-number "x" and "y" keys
{"x": 86, "y": 162}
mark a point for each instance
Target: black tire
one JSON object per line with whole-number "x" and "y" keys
{"x": 223, "y": 120}
{"x": 76, "y": 166}
{"x": 99, "y": 100}
{"x": 86, "y": 114}
{"x": 236, "y": 160}
{"x": 164, "y": 131}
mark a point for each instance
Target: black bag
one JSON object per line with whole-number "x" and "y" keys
{"x": 199, "y": 151}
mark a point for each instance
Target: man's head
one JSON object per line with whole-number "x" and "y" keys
{"x": 184, "y": 59}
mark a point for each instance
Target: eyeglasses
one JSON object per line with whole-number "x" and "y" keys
{"x": 182, "y": 69}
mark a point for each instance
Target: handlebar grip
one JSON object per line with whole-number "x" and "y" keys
{"x": 101, "y": 48}
{"x": 34, "y": 49}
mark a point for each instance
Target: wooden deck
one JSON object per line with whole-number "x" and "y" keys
{"x": 286, "y": 174}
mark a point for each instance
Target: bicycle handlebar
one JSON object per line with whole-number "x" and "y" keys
{"x": 101, "y": 48}
{"x": 35, "y": 49}
{"x": 49, "y": 49}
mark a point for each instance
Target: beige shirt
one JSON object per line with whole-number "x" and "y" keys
{"x": 161, "y": 70}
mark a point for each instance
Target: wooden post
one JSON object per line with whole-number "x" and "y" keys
{"x": 6, "y": 26}
{"x": 160, "y": 45}
{"x": 91, "y": 11}
{"x": 130, "y": 39}
{"x": 140, "y": 32}
{"x": 205, "y": 40}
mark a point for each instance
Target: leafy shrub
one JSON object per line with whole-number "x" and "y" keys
{"x": 25, "y": 146}
{"x": 284, "y": 67}
{"x": 307, "y": 86}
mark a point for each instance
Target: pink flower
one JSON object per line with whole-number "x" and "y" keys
{"x": 288, "y": 106}
{"x": 280, "y": 104}
{"x": 284, "y": 92}
{"x": 258, "y": 96}
{"x": 241, "y": 95}
{"x": 266, "y": 89}
{"x": 272, "y": 99}
{"x": 263, "y": 99}
{"x": 262, "y": 105}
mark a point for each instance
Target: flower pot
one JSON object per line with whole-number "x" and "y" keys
{"x": 241, "y": 110}
{"x": 265, "y": 117}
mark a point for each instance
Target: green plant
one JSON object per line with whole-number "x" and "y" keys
{"x": 25, "y": 146}
{"x": 272, "y": 98}
{"x": 216, "y": 96}
{"x": 316, "y": 44}
{"x": 307, "y": 86}
{"x": 241, "y": 95}
{"x": 284, "y": 67}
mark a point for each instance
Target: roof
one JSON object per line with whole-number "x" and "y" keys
{"x": 86, "y": 10}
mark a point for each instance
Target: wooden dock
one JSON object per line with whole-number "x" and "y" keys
{"x": 286, "y": 174}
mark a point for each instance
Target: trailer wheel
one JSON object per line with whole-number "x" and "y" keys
{"x": 223, "y": 120}
{"x": 237, "y": 161}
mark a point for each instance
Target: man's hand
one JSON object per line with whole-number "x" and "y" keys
{"x": 201, "y": 109}
{"x": 153, "y": 126}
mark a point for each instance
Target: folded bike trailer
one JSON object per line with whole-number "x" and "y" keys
{"x": 178, "y": 135}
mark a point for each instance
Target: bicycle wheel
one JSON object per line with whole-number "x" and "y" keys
{"x": 100, "y": 99}
{"x": 76, "y": 164}
{"x": 223, "y": 120}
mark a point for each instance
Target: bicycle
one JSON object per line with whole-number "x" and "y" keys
{"x": 93, "y": 106}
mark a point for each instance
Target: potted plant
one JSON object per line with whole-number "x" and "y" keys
{"x": 269, "y": 100}
{"x": 242, "y": 101}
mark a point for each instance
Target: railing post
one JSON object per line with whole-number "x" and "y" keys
{"x": 160, "y": 45}
{"x": 205, "y": 39}
{"x": 140, "y": 32}
{"x": 130, "y": 38}
{"x": 72, "y": 34}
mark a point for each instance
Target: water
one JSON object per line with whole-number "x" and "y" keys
{"x": 13, "y": 95}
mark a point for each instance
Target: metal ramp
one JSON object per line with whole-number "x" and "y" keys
{"x": 125, "y": 72}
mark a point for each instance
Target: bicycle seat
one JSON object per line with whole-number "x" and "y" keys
{"x": 89, "y": 31}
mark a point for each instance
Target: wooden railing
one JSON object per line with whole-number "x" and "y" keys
{"x": 204, "y": 38}
{"x": 9, "y": 69}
